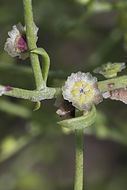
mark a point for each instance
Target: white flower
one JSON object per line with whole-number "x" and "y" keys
{"x": 16, "y": 44}
{"x": 2, "y": 90}
{"x": 81, "y": 89}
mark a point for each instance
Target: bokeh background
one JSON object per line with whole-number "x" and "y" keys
{"x": 35, "y": 153}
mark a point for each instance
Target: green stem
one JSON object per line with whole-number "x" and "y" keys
{"x": 34, "y": 95}
{"x": 40, "y": 84}
{"x": 50, "y": 93}
{"x": 78, "y": 183}
{"x": 118, "y": 82}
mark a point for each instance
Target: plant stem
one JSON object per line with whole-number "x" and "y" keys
{"x": 118, "y": 82}
{"x": 50, "y": 93}
{"x": 78, "y": 183}
{"x": 34, "y": 95}
{"x": 40, "y": 84}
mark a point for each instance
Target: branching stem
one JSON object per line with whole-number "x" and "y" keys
{"x": 40, "y": 84}
{"x": 50, "y": 93}
{"x": 34, "y": 95}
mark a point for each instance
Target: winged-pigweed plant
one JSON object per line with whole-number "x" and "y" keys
{"x": 81, "y": 91}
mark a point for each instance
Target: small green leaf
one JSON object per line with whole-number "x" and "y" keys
{"x": 80, "y": 122}
{"x": 46, "y": 61}
{"x": 37, "y": 106}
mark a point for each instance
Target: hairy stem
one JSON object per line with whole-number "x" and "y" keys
{"x": 50, "y": 93}
{"x": 112, "y": 84}
{"x": 34, "y": 95}
{"x": 40, "y": 84}
{"x": 78, "y": 183}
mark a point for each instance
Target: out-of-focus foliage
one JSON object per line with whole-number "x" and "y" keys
{"x": 35, "y": 154}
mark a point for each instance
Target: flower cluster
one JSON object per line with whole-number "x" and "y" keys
{"x": 110, "y": 70}
{"x": 81, "y": 89}
{"x": 16, "y": 44}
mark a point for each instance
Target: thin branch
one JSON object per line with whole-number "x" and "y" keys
{"x": 40, "y": 84}
{"x": 78, "y": 182}
{"x": 50, "y": 93}
{"x": 34, "y": 95}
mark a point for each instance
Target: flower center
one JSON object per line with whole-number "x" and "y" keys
{"x": 82, "y": 91}
{"x": 22, "y": 43}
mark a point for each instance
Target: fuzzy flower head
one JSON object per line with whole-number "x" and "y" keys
{"x": 81, "y": 89}
{"x": 110, "y": 70}
{"x": 16, "y": 44}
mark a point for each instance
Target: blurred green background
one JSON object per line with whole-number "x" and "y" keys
{"x": 35, "y": 153}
